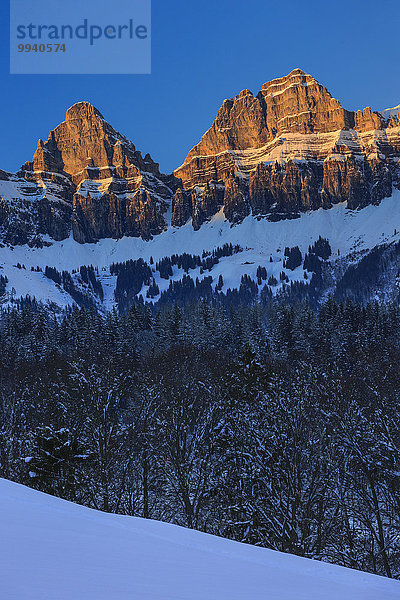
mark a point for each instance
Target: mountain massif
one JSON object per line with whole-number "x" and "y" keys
{"x": 292, "y": 148}
{"x": 288, "y": 151}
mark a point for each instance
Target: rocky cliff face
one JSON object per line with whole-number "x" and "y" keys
{"x": 87, "y": 178}
{"x": 291, "y": 148}
{"x": 30, "y": 211}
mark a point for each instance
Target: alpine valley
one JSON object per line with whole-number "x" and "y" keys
{"x": 288, "y": 194}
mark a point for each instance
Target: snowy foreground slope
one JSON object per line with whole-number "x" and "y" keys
{"x": 55, "y": 550}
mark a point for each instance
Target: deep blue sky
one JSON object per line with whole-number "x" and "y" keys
{"x": 205, "y": 51}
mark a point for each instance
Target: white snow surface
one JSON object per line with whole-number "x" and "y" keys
{"x": 55, "y": 550}
{"x": 348, "y": 231}
{"x": 390, "y": 112}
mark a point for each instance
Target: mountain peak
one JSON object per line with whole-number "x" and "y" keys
{"x": 82, "y": 110}
{"x": 295, "y": 77}
{"x": 294, "y": 103}
{"x": 106, "y": 187}
{"x": 86, "y": 140}
{"x": 293, "y": 147}
{"x": 293, "y": 73}
{"x": 296, "y": 71}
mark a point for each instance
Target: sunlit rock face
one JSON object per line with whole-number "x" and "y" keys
{"x": 292, "y": 148}
{"x": 100, "y": 185}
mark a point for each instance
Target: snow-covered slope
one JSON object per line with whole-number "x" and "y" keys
{"x": 55, "y": 550}
{"x": 349, "y": 233}
{"x": 390, "y": 112}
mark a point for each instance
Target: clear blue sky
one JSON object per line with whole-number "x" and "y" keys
{"x": 205, "y": 51}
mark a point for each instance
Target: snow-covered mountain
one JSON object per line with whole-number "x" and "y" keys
{"x": 273, "y": 174}
{"x": 55, "y": 549}
{"x": 351, "y": 235}
{"x": 289, "y": 149}
{"x": 391, "y": 113}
